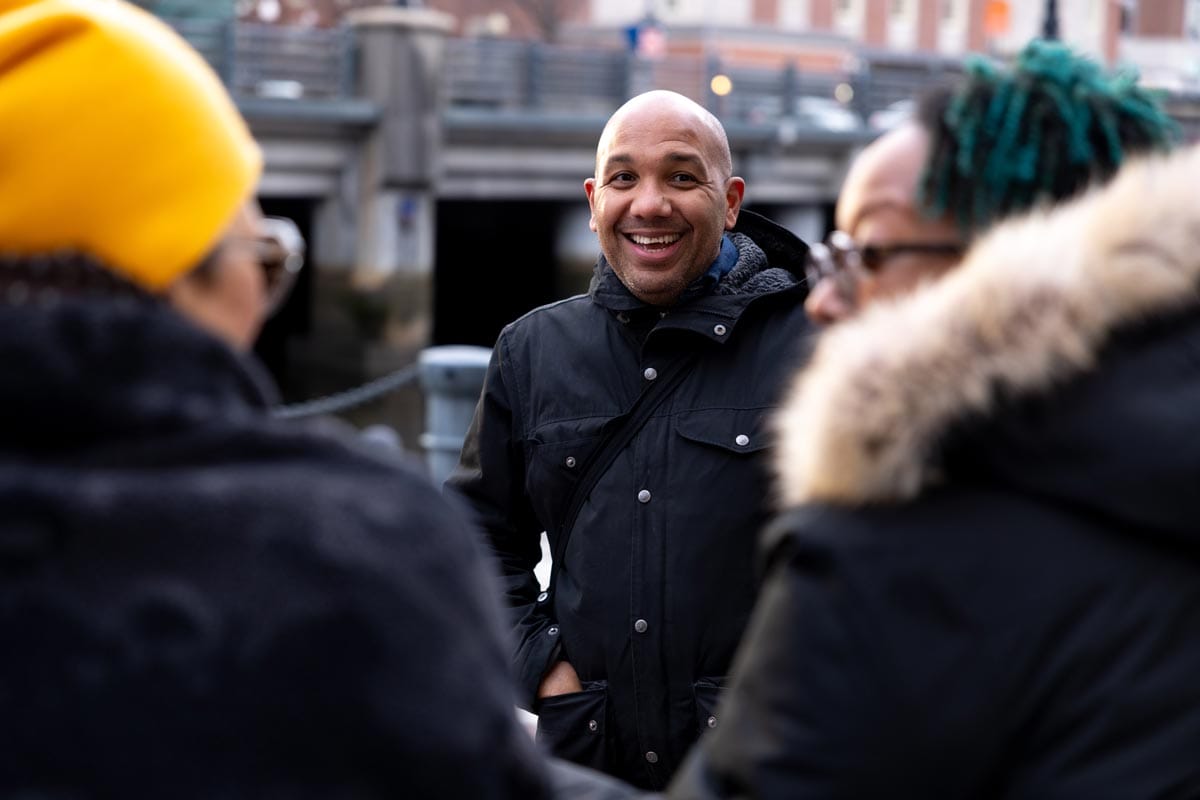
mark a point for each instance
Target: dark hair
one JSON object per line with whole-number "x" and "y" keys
{"x": 1054, "y": 123}
{"x": 44, "y": 278}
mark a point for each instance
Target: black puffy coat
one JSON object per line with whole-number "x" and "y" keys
{"x": 199, "y": 601}
{"x": 659, "y": 578}
{"x": 993, "y": 586}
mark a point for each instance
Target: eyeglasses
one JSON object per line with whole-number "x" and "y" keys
{"x": 280, "y": 250}
{"x": 843, "y": 261}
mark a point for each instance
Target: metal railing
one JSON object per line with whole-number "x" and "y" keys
{"x": 513, "y": 76}
{"x": 510, "y": 75}
{"x": 275, "y": 60}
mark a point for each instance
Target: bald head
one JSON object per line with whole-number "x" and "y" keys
{"x": 651, "y": 107}
{"x": 663, "y": 194}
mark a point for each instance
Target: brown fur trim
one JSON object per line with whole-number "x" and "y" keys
{"x": 1031, "y": 306}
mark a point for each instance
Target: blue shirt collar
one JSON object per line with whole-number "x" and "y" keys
{"x": 725, "y": 262}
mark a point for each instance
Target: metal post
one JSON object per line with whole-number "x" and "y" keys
{"x": 712, "y": 66}
{"x": 348, "y": 59}
{"x": 534, "y": 79}
{"x": 229, "y": 65}
{"x": 1050, "y": 23}
{"x": 790, "y": 90}
{"x": 452, "y": 377}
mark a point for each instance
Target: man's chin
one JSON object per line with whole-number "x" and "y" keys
{"x": 657, "y": 294}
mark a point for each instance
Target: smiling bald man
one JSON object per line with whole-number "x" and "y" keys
{"x": 692, "y": 318}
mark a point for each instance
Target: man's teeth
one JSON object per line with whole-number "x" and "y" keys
{"x": 647, "y": 240}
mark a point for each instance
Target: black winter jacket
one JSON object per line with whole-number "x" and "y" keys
{"x": 199, "y": 601}
{"x": 658, "y": 579}
{"x": 993, "y": 588}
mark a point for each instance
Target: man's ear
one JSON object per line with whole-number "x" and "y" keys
{"x": 735, "y": 190}
{"x": 589, "y": 188}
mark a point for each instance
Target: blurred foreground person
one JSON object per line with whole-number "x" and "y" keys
{"x": 989, "y": 585}
{"x": 197, "y": 600}
{"x": 1004, "y": 140}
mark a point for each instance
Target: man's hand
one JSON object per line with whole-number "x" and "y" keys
{"x": 559, "y": 679}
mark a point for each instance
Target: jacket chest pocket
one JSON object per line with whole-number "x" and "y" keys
{"x": 557, "y": 457}
{"x": 723, "y": 438}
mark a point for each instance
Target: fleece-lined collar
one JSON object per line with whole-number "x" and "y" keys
{"x": 770, "y": 259}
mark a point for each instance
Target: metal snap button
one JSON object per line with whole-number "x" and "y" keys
{"x": 742, "y": 440}
{"x": 712, "y": 722}
{"x": 553, "y": 630}
{"x": 652, "y": 757}
{"x": 593, "y": 726}
{"x": 641, "y": 625}
{"x": 650, "y": 373}
{"x": 543, "y": 597}
{"x": 570, "y": 462}
{"x": 720, "y": 330}
{"x": 644, "y": 496}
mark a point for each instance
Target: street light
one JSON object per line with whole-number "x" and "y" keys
{"x": 1050, "y": 23}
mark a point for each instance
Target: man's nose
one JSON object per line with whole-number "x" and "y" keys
{"x": 826, "y": 304}
{"x": 651, "y": 200}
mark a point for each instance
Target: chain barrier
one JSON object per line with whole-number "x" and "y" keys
{"x": 351, "y": 398}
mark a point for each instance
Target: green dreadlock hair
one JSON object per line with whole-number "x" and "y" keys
{"x": 1053, "y": 124}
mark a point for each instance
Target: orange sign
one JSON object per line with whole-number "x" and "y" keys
{"x": 996, "y": 17}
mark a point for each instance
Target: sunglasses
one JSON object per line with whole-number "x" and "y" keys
{"x": 843, "y": 261}
{"x": 280, "y": 250}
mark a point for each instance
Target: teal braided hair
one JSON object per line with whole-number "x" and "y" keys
{"x": 1007, "y": 139}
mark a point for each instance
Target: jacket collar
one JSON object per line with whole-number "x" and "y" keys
{"x": 783, "y": 251}
{"x": 86, "y": 370}
{"x": 1030, "y": 308}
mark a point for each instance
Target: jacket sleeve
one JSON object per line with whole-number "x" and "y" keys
{"x": 490, "y": 477}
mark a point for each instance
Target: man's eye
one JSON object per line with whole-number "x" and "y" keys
{"x": 683, "y": 177}
{"x": 622, "y": 178}
{"x": 872, "y": 257}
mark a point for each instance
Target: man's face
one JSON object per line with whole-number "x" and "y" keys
{"x": 877, "y": 207}
{"x": 661, "y": 199}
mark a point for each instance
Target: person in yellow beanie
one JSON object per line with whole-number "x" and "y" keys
{"x": 197, "y": 599}
{"x": 122, "y": 146}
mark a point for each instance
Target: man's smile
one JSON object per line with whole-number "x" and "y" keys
{"x": 654, "y": 246}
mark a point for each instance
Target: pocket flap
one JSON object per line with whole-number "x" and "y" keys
{"x": 708, "y": 693}
{"x": 734, "y": 430}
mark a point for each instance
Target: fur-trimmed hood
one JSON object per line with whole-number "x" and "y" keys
{"x": 1032, "y": 308}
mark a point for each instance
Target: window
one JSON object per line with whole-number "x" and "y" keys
{"x": 849, "y": 17}
{"x": 1128, "y": 16}
{"x": 898, "y": 8}
{"x": 793, "y": 15}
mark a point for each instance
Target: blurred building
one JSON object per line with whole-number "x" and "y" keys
{"x": 1161, "y": 38}
{"x": 308, "y": 13}
{"x": 190, "y": 9}
{"x": 434, "y": 154}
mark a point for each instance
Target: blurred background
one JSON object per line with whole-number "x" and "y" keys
{"x": 433, "y": 153}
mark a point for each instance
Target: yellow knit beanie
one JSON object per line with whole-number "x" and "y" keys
{"x": 116, "y": 140}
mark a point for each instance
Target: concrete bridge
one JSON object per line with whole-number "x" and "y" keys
{"x": 439, "y": 180}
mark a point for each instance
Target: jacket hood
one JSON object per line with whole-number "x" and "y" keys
{"x": 995, "y": 366}
{"x": 86, "y": 370}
